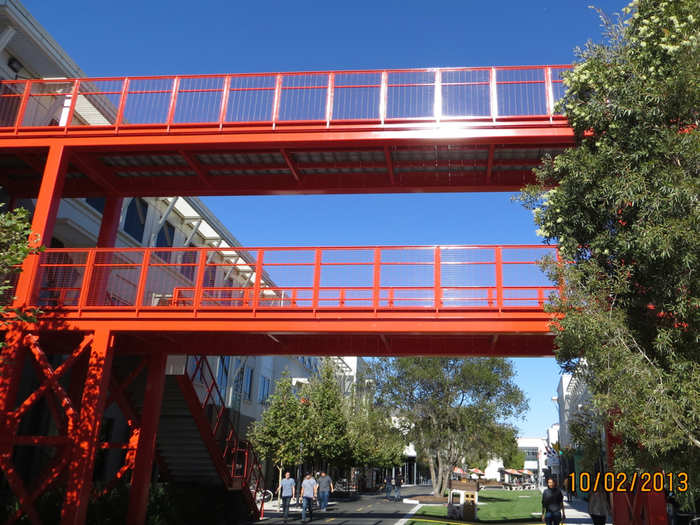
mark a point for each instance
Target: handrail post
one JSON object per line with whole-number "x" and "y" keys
{"x": 73, "y": 99}
{"x": 87, "y": 277}
{"x": 258, "y": 279}
{"x": 377, "y": 278}
{"x": 383, "y": 94}
{"x": 499, "y": 277}
{"x": 437, "y": 96}
{"x": 140, "y": 290}
{"x": 493, "y": 92}
{"x": 199, "y": 278}
{"x": 438, "y": 279}
{"x": 276, "y": 100}
{"x": 329, "y": 99}
{"x": 317, "y": 279}
{"x": 549, "y": 93}
{"x": 226, "y": 91}
{"x": 122, "y": 103}
{"x": 23, "y": 104}
{"x": 173, "y": 102}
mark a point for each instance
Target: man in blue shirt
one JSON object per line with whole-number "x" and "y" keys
{"x": 309, "y": 490}
{"x": 288, "y": 488}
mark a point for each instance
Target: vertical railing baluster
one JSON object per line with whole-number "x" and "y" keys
{"x": 200, "y": 272}
{"x": 317, "y": 279}
{"x": 73, "y": 98}
{"x": 437, "y": 96}
{"x": 499, "y": 277}
{"x": 122, "y": 104}
{"x": 276, "y": 101}
{"x": 377, "y": 278}
{"x": 437, "y": 285}
{"x": 493, "y": 94}
{"x": 87, "y": 277}
{"x": 140, "y": 290}
{"x": 173, "y": 102}
{"x": 258, "y": 273}
{"x": 23, "y": 104}
{"x": 383, "y": 94}
{"x": 329, "y": 99}
{"x": 549, "y": 91}
{"x": 224, "y": 101}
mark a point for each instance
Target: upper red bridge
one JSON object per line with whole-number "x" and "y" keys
{"x": 438, "y": 129}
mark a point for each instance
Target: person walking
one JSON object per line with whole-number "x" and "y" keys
{"x": 552, "y": 504}
{"x": 288, "y": 489}
{"x": 598, "y": 506}
{"x": 397, "y": 488}
{"x": 325, "y": 487}
{"x": 309, "y": 491}
{"x": 388, "y": 485}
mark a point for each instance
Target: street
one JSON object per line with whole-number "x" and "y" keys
{"x": 369, "y": 509}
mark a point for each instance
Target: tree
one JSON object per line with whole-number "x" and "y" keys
{"x": 15, "y": 236}
{"x": 514, "y": 460}
{"x": 278, "y": 435}
{"x": 374, "y": 439}
{"x": 623, "y": 205}
{"x": 450, "y": 408}
{"x": 326, "y": 430}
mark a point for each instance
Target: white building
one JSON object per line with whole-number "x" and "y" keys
{"x": 572, "y": 396}
{"x": 534, "y": 449}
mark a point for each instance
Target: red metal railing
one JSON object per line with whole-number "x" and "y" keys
{"x": 327, "y": 98}
{"x": 243, "y": 470}
{"x": 340, "y": 278}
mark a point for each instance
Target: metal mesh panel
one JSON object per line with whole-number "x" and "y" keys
{"x": 171, "y": 278}
{"x": 98, "y": 103}
{"x": 199, "y": 100}
{"x": 356, "y": 96}
{"x": 10, "y": 101}
{"x": 60, "y": 278}
{"x": 251, "y": 99}
{"x": 410, "y": 95}
{"x": 115, "y": 278}
{"x": 148, "y": 101}
{"x": 521, "y": 92}
{"x": 303, "y": 97}
{"x": 48, "y": 104}
{"x": 466, "y": 93}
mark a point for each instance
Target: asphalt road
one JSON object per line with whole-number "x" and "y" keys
{"x": 365, "y": 510}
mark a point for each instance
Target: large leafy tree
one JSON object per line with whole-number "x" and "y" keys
{"x": 623, "y": 205}
{"x": 454, "y": 410}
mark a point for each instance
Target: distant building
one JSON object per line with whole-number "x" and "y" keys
{"x": 534, "y": 449}
{"x": 572, "y": 396}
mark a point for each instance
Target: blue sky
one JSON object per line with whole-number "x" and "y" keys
{"x": 158, "y": 37}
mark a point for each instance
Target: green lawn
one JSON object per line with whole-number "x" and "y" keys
{"x": 499, "y": 506}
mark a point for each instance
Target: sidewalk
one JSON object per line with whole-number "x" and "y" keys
{"x": 577, "y": 512}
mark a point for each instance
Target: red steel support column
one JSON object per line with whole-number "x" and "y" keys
{"x": 141, "y": 477}
{"x": 44, "y": 218}
{"x": 79, "y": 483}
{"x": 11, "y": 360}
{"x": 110, "y": 222}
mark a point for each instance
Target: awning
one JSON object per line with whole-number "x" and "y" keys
{"x": 458, "y": 470}
{"x": 476, "y": 471}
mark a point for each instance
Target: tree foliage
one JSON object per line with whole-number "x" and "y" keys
{"x": 453, "y": 410}
{"x": 624, "y": 209}
{"x": 15, "y": 235}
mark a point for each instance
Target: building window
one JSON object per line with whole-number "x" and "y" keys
{"x": 248, "y": 384}
{"x": 222, "y": 373}
{"x": 264, "y": 390}
{"x": 135, "y": 220}
{"x": 96, "y": 202}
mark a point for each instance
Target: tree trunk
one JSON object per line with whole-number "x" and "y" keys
{"x": 279, "y": 485}
{"x": 434, "y": 478}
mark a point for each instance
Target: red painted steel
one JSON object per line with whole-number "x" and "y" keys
{"x": 305, "y": 281}
{"x": 170, "y": 103}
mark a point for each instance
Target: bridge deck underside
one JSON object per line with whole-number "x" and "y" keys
{"x": 318, "y": 344}
{"x": 313, "y": 163}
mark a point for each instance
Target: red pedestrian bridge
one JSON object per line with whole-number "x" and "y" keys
{"x": 119, "y": 324}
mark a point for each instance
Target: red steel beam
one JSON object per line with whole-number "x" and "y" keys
{"x": 79, "y": 482}
{"x": 290, "y": 165}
